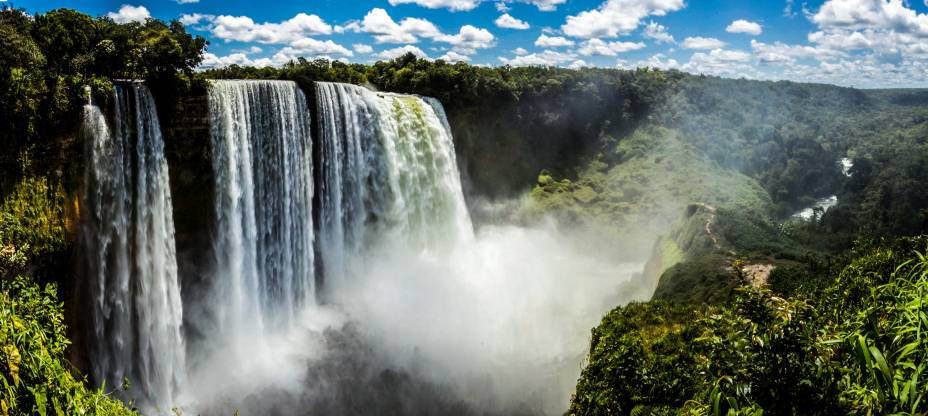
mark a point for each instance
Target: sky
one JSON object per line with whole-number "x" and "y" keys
{"x": 859, "y": 43}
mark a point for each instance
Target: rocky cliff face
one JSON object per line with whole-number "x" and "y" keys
{"x": 186, "y": 130}
{"x": 502, "y": 148}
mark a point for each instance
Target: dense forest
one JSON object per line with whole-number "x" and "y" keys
{"x": 712, "y": 168}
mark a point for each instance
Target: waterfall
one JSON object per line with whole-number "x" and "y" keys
{"x": 128, "y": 239}
{"x": 262, "y": 162}
{"x": 387, "y": 170}
{"x": 395, "y": 239}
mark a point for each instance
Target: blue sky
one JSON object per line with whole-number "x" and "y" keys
{"x": 862, "y": 43}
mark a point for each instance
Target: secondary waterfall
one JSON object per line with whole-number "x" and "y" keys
{"x": 262, "y": 161}
{"x": 387, "y": 170}
{"x": 128, "y": 242}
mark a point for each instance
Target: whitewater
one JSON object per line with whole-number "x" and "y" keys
{"x": 346, "y": 275}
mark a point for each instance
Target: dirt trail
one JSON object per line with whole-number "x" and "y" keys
{"x": 757, "y": 274}
{"x": 712, "y": 236}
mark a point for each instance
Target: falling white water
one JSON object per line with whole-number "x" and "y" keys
{"x": 388, "y": 172}
{"x": 822, "y": 205}
{"x": 128, "y": 238}
{"x": 846, "y": 165}
{"x": 500, "y": 316}
{"x": 420, "y": 309}
{"x": 262, "y": 161}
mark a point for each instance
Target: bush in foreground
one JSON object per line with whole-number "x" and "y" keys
{"x": 35, "y": 378}
{"x": 858, "y": 347}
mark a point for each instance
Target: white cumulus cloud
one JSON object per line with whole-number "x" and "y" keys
{"x": 244, "y": 29}
{"x": 362, "y": 48}
{"x": 781, "y": 53}
{"x": 698, "y": 42}
{"x": 469, "y": 39}
{"x": 658, "y": 32}
{"x": 544, "y": 58}
{"x": 213, "y": 61}
{"x": 385, "y": 30}
{"x": 508, "y": 22}
{"x": 545, "y": 41}
{"x": 744, "y": 26}
{"x": 659, "y": 61}
{"x": 453, "y": 5}
{"x": 127, "y": 13}
{"x": 402, "y": 50}
{"x": 871, "y": 14}
{"x": 617, "y": 17}
{"x": 579, "y": 63}
{"x": 411, "y": 30}
{"x": 312, "y": 46}
{"x": 195, "y": 18}
{"x": 452, "y": 56}
{"x": 602, "y": 48}
{"x": 721, "y": 62}
{"x": 546, "y": 5}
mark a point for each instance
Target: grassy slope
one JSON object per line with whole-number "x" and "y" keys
{"x": 641, "y": 185}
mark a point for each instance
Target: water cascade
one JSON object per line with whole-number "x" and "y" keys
{"x": 846, "y": 165}
{"x": 499, "y": 315}
{"x": 128, "y": 241}
{"x": 821, "y": 206}
{"x": 262, "y": 161}
{"x": 411, "y": 288}
{"x": 388, "y": 171}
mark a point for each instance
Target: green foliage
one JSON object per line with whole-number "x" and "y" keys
{"x": 702, "y": 273}
{"x": 789, "y": 136}
{"x": 46, "y": 60}
{"x": 33, "y": 225}
{"x": 780, "y": 133}
{"x": 705, "y": 278}
{"x": 646, "y": 179}
{"x": 35, "y": 378}
{"x": 886, "y": 342}
{"x": 640, "y": 361}
{"x": 856, "y": 348}
{"x": 814, "y": 273}
{"x": 757, "y": 236}
{"x": 880, "y": 192}
{"x": 66, "y": 36}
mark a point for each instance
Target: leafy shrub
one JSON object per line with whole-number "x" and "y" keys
{"x": 883, "y": 338}
{"x": 640, "y": 360}
{"x": 34, "y": 376}
{"x": 33, "y": 226}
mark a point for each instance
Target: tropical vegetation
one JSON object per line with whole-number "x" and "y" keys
{"x": 855, "y": 346}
